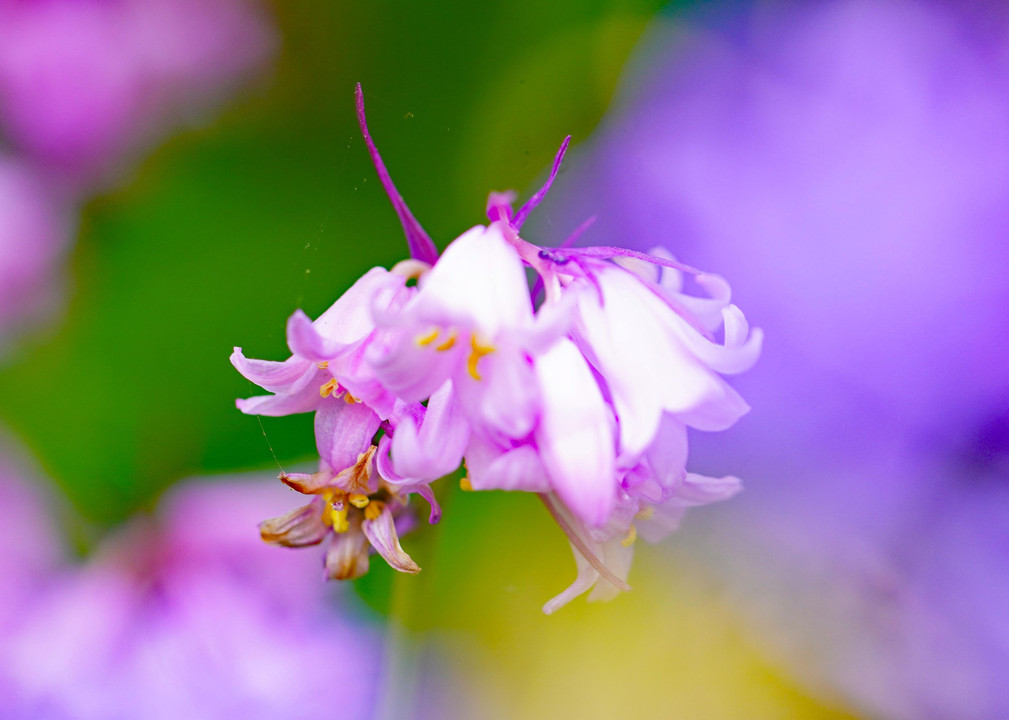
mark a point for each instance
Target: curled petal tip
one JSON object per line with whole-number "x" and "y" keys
{"x": 382, "y": 535}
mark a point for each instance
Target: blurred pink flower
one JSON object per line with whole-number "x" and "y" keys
{"x": 34, "y": 233}
{"x": 29, "y": 544}
{"x": 84, "y": 81}
{"x": 187, "y": 616}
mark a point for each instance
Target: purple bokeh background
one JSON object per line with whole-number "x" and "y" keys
{"x": 186, "y": 614}
{"x": 846, "y": 167}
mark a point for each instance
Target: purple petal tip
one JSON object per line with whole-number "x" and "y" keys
{"x": 523, "y": 213}
{"x": 419, "y": 242}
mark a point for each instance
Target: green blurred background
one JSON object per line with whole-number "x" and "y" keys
{"x": 222, "y": 232}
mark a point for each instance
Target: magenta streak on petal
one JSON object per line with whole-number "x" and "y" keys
{"x": 531, "y": 203}
{"x": 611, "y": 252}
{"x": 583, "y": 548}
{"x": 421, "y": 246}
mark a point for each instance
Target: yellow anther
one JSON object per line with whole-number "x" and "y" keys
{"x": 478, "y": 351}
{"x": 645, "y": 513}
{"x": 349, "y": 399}
{"x": 373, "y": 510}
{"x": 465, "y": 484}
{"x": 449, "y": 343}
{"x": 632, "y": 535}
{"x": 334, "y": 517}
{"x": 358, "y": 500}
{"x": 322, "y": 365}
{"x": 428, "y": 339}
{"x": 340, "y": 523}
{"x": 328, "y": 388}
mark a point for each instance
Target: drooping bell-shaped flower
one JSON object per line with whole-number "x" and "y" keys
{"x": 583, "y": 395}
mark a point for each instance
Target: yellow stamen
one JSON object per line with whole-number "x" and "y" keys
{"x": 328, "y": 388}
{"x": 449, "y": 343}
{"x": 358, "y": 500}
{"x": 349, "y": 399}
{"x": 474, "y": 357}
{"x": 373, "y": 510}
{"x": 428, "y": 339}
{"x": 632, "y": 535}
{"x": 465, "y": 484}
{"x": 322, "y": 365}
{"x": 327, "y": 508}
{"x": 340, "y": 523}
{"x": 645, "y": 513}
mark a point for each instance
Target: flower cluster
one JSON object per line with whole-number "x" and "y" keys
{"x": 579, "y": 389}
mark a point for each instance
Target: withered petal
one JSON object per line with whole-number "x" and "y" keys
{"x": 347, "y": 557}
{"x": 301, "y": 527}
{"x": 308, "y": 483}
{"x": 382, "y": 535}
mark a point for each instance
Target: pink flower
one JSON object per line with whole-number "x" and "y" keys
{"x": 184, "y": 616}
{"x": 80, "y": 82}
{"x": 583, "y": 397}
{"x": 351, "y": 506}
{"x": 350, "y": 510}
{"x": 33, "y": 235}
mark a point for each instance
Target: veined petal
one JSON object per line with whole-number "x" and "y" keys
{"x": 663, "y": 468}
{"x": 305, "y": 399}
{"x": 381, "y": 533}
{"x": 632, "y": 337}
{"x": 305, "y": 340}
{"x": 553, "y": 320}
{"x": 383, "y": 464}
{"x": 435, "y": 447}
{"x": 575, "y": 434}
{"x": 299, "y": 528}
{"x": 347, "y": 556}
{"x": 479, "y": 283}
{"x": 491, "y": 467}
{"x": 346, "y": 322}
{"x": 617, "y": 557}
{"x": 707, "y": 310}
{"x": 738, "y": 354}
{"x": 343, "y": 431}
{"x": 718, "y": 410}
{"x": 506, "y": 400}
{"x": 359, "y": 378}
{"x": 408, "y": 369}
{"x": 275, "y": 377}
